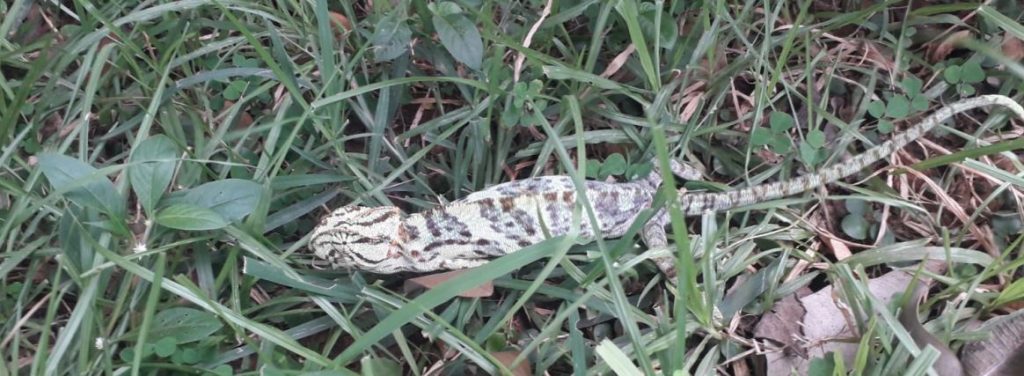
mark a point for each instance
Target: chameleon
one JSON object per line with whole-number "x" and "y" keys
{"x": 510, "y": 216}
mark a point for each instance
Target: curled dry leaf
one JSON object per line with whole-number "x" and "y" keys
{"x": 824, "y": 324}
{"x": 941, "y": 50}
{"x": 1013, "y": 48}
{"x": 243, "y": 121}
{"x": 431, "y": 280}
{"x": 618, "y": 61}
{"x": 779, "y": 326}
{"x": 861, "y": 52}
{"x": 341, "y": 23}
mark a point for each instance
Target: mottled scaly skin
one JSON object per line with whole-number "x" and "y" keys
{"x": 510, "y": 216}
{"x": 695, "y": 204}
{"x": 499, "y": 220}
{"x": 486, "y": 224}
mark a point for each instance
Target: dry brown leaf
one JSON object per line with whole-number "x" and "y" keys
{"x": 430, "y": 280}
{"x": 518, "y": 65}
{"x": 942, "y": 50}
{"x": 825, "y": 324}
{"x": 839, "y": 249}
{"x": 691, "y": 106}
{"x": 779, "y": 325}
{"x": 878, "y": 56}
{"x": 1013, "y": 48}
{"x": 506, "y": 358}
{"x": 243, "y": 119}
{"x": 618, "y": 61}
{"x": 341, "y": 23}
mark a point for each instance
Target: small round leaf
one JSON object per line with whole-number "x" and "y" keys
{"x": 899, "y": 107}
{"x": 816, "y": 138}
{"x": 972, "y": 72}
{"x": 952, "y": 74}
{"x": 165, "y": 346}
{"x": 615, "y": 164}
{"x": 760, "y": 136}
{"x": 912, "y": 86}
{"x": 855, "y": 226}
{"x": 919, "y": 103}
{"x": 780, "y": 121}
{"x": 876, "y": 109}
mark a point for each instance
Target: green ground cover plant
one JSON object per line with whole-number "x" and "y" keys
{"x": 164, "y": 162}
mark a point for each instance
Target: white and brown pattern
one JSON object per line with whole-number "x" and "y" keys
{"x": 507, "y": 217}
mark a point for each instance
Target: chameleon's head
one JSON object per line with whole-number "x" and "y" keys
{"x": 360, "y": 237}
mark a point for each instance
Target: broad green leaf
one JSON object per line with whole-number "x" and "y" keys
{"x": 898, "y": 107}
{"x": 615, "y": 164}
{"x": 855, "y": 226}
{"x": 510, "y": 116}
{"x": 190, "y": 218}
{"x": 85, "y": 185}
{"x": 165, "y": 346}
{"x": 876, "y": 109}
{"x": 919, "y": 103}
{"x": 808, "y": 153}
{"x": 912, "y": 86}
{"x": 234, "y": 90}
{"x": 151, "y": 170}
{"x": 966, "y": 90}
{"x": 952, "y": 74}
{"x": 669, "y": 31}
{"x": 390, "y": 38}
{"x": 184, "y": 324}
{"x": 445, "y": 8}
{"x": 233, "y": 199}
{"x": 593, "y": 169}
{"x": 780, "y": 121}
{"x": 885, "y": 126}
{"x": 816, "y": 138}
{"x": 971, "y": 72}
{"x": 781, "y": 144}
{"x": 461, "y": 38}
{"x": 854, "y": 206}
{"x": 760, "y": 136}
{"x": 190, "y": 356}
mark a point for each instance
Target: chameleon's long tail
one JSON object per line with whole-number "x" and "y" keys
{"x": 695, "y": 204}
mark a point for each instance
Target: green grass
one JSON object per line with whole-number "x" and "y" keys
{"x": 164, "y": 163}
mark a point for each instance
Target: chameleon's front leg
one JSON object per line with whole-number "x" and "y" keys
{"x": 655, "y": 238}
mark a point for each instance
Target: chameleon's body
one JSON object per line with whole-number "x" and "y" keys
{"x": 510, "y": 216}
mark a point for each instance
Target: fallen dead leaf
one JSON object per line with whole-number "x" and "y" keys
{"x": 779, "y": 326}
{"x": 824, "y": 324}
{"x": 618, "y": 61}
{"x": 506, "y": 358}
{"x": 431, "y": 280}
{"x": 1013, "y": 48}
{"x": 341, "y": 23}
{"x": 839, "y": 249}
{"x": 942, "y": 49}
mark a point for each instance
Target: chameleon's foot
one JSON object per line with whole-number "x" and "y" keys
{"x": 667, "y": 265}
{"x": 681, "y": 170}
{"x": 685, "y": 170}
